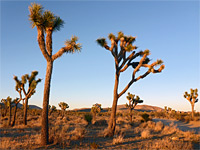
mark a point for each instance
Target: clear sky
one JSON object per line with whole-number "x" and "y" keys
{"x": 169, "y": 29}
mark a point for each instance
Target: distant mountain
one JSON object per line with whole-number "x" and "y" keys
{"x": 30, "y": 106}
{"x": 147, "y": 108}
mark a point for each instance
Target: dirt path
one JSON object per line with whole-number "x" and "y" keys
{"x": 192, "y": 126}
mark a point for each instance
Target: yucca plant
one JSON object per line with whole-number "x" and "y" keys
{"x": 192, "y": 98}
{"x": 133, "y": 101}
{"x": 125, "y": 54}
{"x": 47, "y": 23}
{"x": 32, "y": 83}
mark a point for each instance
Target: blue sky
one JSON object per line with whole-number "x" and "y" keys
{"x": 170, "y": 30}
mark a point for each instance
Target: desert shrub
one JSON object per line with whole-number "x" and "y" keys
{"x": 118, "y": 140}
{"x": 100, "y": 123}
{"x": 167, "y": 144}
{"x": 119, "y": 114}
{"x": 143, "y": 125}
{"x": 120, "y": 120}
{"x": 151, "y": 124}
{"x": 159, "y": 126}
{"x": 146, "y": 134}
{"x": 187, "y": 118}
{"x": 94, "y": 145}
{"x": 145, "y": 117}
{"x": 88, "y": 118}
{"x": 77, "y": 133}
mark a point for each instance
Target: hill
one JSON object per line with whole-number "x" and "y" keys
{"x": 147, "y": 108}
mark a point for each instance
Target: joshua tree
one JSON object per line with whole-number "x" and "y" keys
{"x": 8, "y": 105}
{"x": 47, "y": 23}
{"x": 52, "y": 109}
{"x": 96, "y": 108}
{"x": 20, "y": 87}
{"x": 133, "y": 101}
{"x": 63, "y": 106}
{"x": 192, "y": 98}
{"x": 122, "y": 62}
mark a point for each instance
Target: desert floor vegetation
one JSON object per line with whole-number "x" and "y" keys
{"x": 74, "y": 132}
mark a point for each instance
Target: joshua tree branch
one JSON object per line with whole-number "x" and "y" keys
{"x": 24, "y": 90}
{"x": 41, "y": 43}
{"x": 129, "y": 59}
{"x": 126, "y": 88}
{"x": 61, "y": 52}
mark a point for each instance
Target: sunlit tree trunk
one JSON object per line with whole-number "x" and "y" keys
{"x": 14, "y": 117}
{"x": 192, "y": 111}
{"x": 44, "y": 130}
{"x": 9, "y": 119}
{"x": 25, "y": 111}
{"x": 112, "y": 122}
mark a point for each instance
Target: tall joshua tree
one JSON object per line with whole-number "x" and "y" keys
{"x": 47, "y": 23}
{"x": 20, "y": 87}
{"x": 133, "y": 101}
{"x": 121, "y": 45}
{"x": 192, "y": 98}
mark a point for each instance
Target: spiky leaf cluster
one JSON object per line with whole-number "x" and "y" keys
{"x": 63, "y": 105}
{"x": 133, "y": 100}
{"x": 192, "y": 97}
{"x": 73, "y": 45}
{"x": 45, "y": 19}
{"x": 96, "y": 108}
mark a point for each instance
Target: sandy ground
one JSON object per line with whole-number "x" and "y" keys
{"x": 191, "y": 126}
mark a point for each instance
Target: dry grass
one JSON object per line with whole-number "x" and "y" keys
{"x": 146, "y": 134}
{"x": 72, "y": 132}
{"x": 118, "y": 140}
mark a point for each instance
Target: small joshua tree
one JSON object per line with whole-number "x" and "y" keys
{"x": 8, "y": 105}
{"x": 133, "y": 101}
{"x": 192, "y": 98}
{"x": 4, "y": 107}
{"x": 96, "y": 108}
{"x": 20, "y": 87}
{"x": 125, "y": 55}
{"x": 63, "y": 106}
{"x": 52, "y": 109}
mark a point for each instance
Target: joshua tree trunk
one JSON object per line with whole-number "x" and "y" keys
{"x": 44, "y": 131}
{"x": 9, "y": 119}
{"x": 192, "y": 111}
{"x": 112, "y": 122}
{"x": 25, "y": 111}
{"x": 130, "y": 111}
{"x": 14, "y": 117}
